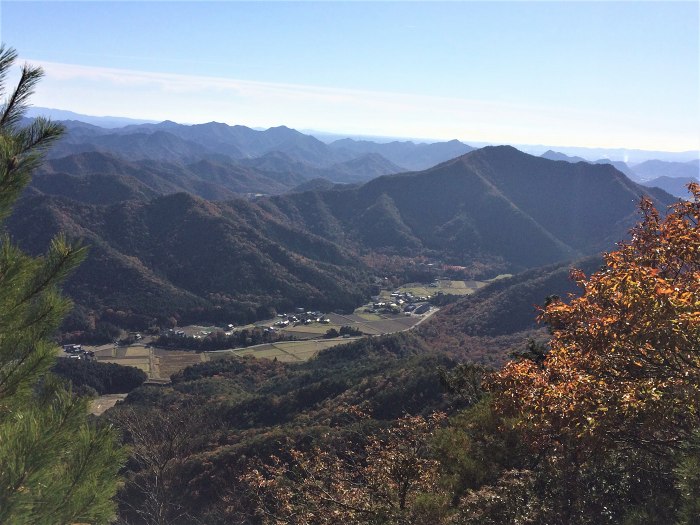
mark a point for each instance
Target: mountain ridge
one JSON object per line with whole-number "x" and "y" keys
{"x": 489, "y": 211}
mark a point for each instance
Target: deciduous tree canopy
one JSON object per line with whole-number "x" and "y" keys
{"x": 624, "y": 364}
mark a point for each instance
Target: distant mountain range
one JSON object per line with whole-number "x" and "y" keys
{"x": 677, "y": 186}
{"x": 161, "y": 206}
{"x": 672, "y": 177}
{"x": 216, "y": 161}
{"x": 157, "y": 252}
{"x": 407, "y": 154}
{"x": 279, "y": 159}
{"x": 627, "y": 155}
{"x": 652, "y": 169}
{"x": 62, "y": 114}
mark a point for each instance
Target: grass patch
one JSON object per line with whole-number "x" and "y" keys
{"x": 172, "y": 361}
{"x": 366, "y": 315}
{"x": 314, "y": 328}
{"x": 137, "y": 362}
{"x": 137, "y": 351}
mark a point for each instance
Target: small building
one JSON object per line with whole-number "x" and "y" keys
{"x": 422, "y": 309}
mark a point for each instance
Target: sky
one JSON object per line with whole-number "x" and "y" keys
{"x": 590, "y": 74}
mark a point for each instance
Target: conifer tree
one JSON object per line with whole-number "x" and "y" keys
{"x": 55, "y": 467}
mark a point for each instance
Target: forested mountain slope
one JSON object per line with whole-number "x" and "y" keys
{"x": 490, "y": 211}
{"x": 495, "y": 204}
{"x": 501, "y": 317}
{"x": 179, "y": 254}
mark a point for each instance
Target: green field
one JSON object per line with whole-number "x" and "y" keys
{"x": 367, "y": 316}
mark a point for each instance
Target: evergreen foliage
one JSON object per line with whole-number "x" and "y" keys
{"x": 105, "y": 378}
{"x": 55, "y": 467}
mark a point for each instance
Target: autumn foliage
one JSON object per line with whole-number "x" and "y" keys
{"x": 624, "y": 363}
{"x": 387, "y": 480}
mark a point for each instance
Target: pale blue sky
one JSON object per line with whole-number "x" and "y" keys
{"x": 592, "y": 74}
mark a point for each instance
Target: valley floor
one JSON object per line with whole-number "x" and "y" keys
{"x": 160, "y": 364}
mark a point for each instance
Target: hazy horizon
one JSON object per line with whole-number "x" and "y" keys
{"x": 629, "y": 155}
{"x": 602, "y": 75}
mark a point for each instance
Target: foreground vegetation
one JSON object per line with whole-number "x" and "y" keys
{"x": 92, "y": 377}
{"x": 597, "y": 425}
{"x": 55, "y": 465}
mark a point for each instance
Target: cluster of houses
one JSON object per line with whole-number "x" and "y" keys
{"x": 77, "y": 352}
{"x": 400, "y": 301}
{"x": 299, "y": 317}
{"x": 181, "y": 333}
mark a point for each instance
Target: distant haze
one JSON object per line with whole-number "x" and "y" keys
{"x": 584, "y": 74}
{"x": 589, "y": 154}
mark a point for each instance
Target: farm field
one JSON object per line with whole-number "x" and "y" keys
{"x": 157, "y": 363}
{"x": 160, "y": 364}
{"x": 136, "y": 356}
{"x": 310, "y": 330}
{"x": 367, "y": 323}
{"x": 285, "y": 351}
{"x": 168, "y": 362}
{"x": 444, "y": 286}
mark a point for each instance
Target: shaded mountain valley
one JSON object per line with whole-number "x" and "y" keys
{"x": 159, "y": 251}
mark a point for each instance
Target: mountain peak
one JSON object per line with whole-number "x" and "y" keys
{"x": 214, "y": 124}
{"x": 556, "y": 155}
{"x": 497, "y": 152}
